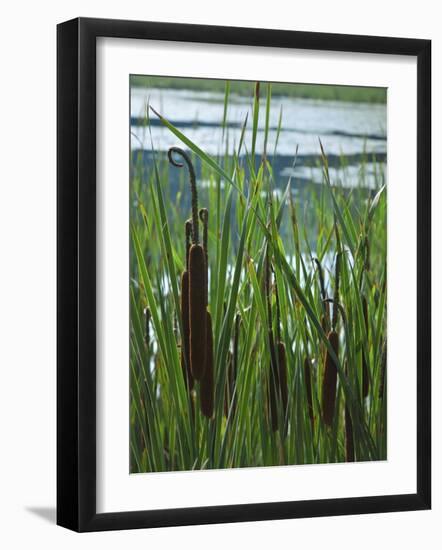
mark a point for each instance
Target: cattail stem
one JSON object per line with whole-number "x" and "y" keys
{"x": 193, "y": 189}
{"x": 188, "y": 228}
{"x": 204, "y": 216}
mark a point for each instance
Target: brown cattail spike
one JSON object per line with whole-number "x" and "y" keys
{"x": 197, "y": 310}
{"x": 330, "y": 380}
{"x": 207, "y": 381}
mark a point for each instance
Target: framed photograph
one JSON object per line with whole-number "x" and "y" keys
{"x": 243, "y": 274}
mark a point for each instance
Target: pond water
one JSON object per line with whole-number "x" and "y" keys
{"x": 350, "y": 130}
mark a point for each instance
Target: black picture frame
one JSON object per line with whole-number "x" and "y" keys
{"x": 76, "y": 274}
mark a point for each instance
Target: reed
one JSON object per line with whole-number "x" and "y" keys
{"x": 262, "y": 352}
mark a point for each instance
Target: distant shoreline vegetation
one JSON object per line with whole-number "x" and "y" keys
{"x": 356, "y": 94}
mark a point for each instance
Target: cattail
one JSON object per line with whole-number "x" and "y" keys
{"x": 185, "y": 346}
{"x": 349, "y": 442}
{"x": 330, "y": 380}
{"x": 365, "y": 375}
{"x": 197, "y": 278}
{"x": 308, "y": 389}
{"x": 207, "y": 383}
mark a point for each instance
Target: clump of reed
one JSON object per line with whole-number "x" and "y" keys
{"x": 213, "y": 389}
